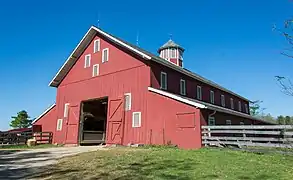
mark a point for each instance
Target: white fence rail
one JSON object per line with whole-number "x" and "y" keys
{"x": 248, "y": 135}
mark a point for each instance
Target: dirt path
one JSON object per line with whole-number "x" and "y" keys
{"x": 19, "y": 164}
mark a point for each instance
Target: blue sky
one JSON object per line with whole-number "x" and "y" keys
{"x": 229, "y": 42}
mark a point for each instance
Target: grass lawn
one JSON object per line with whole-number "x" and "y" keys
{"x": 171, "y": 163}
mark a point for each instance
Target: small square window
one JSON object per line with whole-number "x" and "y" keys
{"x": 232, "y": 103}
{"x": 136, "y": 119}
{"x": 241, "y": 123}
{"x": 97, "y": 45}
{"x": 127, "y": 97}
{"x": 199, "y": 93}
{"x": 66, "y": 109}
{"x": 212, "y": 121}
{"x": 228, "y": 122}
{"x": 164, "y": 80}
{"x": 59, "y": 124}
{"x": 87, "y": 61}
{"x": 212, "y": 97}
{"x": 223, "y": 100}
{"x": 105, "y": 55}
{"x": 96, "y": 69}
{"x": 182, "y": 87}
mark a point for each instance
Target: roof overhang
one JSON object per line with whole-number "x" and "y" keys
{"x": 44, "y": 113}
{"x": 204, "y": 105}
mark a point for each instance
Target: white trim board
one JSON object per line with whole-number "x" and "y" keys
{"x": 45, "y": 112}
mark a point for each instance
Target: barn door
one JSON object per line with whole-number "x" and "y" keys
{"x": 72, "y": 124}
{"x": 115, "y": 121}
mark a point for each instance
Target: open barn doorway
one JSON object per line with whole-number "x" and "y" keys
{"x": 93, "y": 121}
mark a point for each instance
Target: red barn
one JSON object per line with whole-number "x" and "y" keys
{"x": 110, "y": 91}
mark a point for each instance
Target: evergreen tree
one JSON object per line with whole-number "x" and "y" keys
{"x": 22, "y": 120}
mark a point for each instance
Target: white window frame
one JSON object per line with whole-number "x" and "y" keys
{"x": 212, "y": 96}
{"x": 128, "y": 108}
{"x": 97, "y": 42}
{"x": 232, "y": 103}
{"x": 246, "y": 108}
{"x": 210, "y": 120}
{"x": 166, "y": 80}
{"x": 223, "y": 100}
{"x": 66, "y": 110}
{"x": 103, "y": 55}
{"x": 98, "y": 70}
{"x": 173, "y": 52}
{"x": 241, "y": 123}
{"x": 183, "y": 91}
{"x": 86, "y": 65}
{"x": 239, "y": 106}
{"x": 139, "y": 122}
{"x": 198, "y": 92}
{"x": 228, "y": 122}
{"x": 59, "y": 124}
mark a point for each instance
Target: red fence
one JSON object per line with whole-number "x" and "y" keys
{"x": 22, "y": 137}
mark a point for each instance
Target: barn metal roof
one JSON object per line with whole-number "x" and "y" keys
{"x": 204, "y": 105}
{"x": 93, "y": 31}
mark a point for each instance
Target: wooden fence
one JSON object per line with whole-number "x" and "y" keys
{"x": 22, "y": 137}
{"x": 248, "y": 135}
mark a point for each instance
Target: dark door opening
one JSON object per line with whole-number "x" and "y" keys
{"x": 93, "y": 121}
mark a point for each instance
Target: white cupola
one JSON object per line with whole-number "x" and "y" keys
{"x": 172, "y": 52}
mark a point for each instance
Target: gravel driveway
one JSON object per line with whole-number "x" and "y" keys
{"x": 19, "y": 164}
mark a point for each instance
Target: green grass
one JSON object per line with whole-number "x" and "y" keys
{"x": 171, "y": 163}
{"x": 3, "y": 147}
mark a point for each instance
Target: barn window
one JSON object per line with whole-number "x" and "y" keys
{"x": 246, "y": 108}
{"x": 211, "y": 121}
{"x": 66, "y": 108}
{"x": 127, "y": 97}
{"x": 59, "y": 124}
{"x": 241, "y": 123}
{"x": 96, "y": 69}
{"x": 97, "y": 45}
{"x": 105, "y": 55}
{"x": 212, "y": 97}
{"x": 136, "y": 119}
{"x": 87, "y": 61}
{"x": 164, "y": 80}
{"x": 239, "y": 106}
{"x": 173, "y": 53}
{"x": 199, "y": 93}
{"x": 223, "y": 100}
{"x": 182, "y": 87}
{"x": 228, "y": 122}
{"x": 232, "y": 103}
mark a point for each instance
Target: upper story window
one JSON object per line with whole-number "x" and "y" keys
{"x": 87, "y": 61}
{"x": 105, "y": 55}
{"x": 97, "y": 45}
{"x": 212, "y": 97}
{"x": 246, "y": 108}
{"x": 164, "y": 80}
{"x": 172, "y": 53}
{"x": 66, "y": 110}
{"x": 96, "y": 70}
{"x": 239, "y": 106}
{"x": 232, "y": 103}
{"x": 223, "y": 100}
{"x": 228, "y": 122}
{"x": 182, "y": 87}
{"x": 198, "y": 93}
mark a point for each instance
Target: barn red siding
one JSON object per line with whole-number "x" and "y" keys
{"x": 191, "y": 85}
{"x": 48, "y": 122}
{"x": 122, "y": 74}
{"x": 172, "y": 121}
